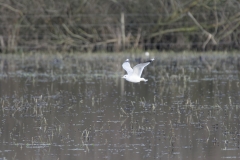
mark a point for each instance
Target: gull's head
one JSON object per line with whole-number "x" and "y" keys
{"x": 125, "y": 76}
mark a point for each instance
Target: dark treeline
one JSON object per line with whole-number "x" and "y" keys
{"x": 117, "y": 25}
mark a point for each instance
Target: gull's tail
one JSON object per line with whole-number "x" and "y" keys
{"x": 143, "y": 79}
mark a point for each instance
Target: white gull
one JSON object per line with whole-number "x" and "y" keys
{"x": 134, "y": 74}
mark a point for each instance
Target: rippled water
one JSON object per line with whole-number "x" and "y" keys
{"x": 77, "y": 107}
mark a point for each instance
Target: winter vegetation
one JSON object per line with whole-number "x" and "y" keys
{"x": 119, "y": 25}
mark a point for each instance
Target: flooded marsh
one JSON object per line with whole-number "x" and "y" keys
{"x": 78, "y": 107}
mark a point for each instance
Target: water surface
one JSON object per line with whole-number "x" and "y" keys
{"x": 79, "y": 107}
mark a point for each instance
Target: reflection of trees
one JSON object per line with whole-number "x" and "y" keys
{"x": 187, "y": 104}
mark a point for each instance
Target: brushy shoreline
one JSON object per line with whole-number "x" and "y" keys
{"x": 118, "y": 25}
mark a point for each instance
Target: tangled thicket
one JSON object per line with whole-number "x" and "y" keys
{"x": 116, "y": 25}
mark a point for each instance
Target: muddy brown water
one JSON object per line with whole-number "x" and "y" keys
{"x": 63, "y": 107}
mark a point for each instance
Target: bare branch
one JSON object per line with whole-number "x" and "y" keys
{"x": 210, "y": 36}
{"x": 11, "y": 8}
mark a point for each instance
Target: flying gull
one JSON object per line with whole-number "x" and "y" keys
{"x": 134, "y": 74}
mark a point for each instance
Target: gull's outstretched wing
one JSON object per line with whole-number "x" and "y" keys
{"x": 137, "y": 70}
{"x": 127, "y": 67}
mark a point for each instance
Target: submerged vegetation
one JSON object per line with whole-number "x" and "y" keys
{"x": 70, "y": 106}
{"x": 96, "y": 25}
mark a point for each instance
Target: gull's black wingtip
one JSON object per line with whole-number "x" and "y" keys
{"x": 150, "y": 60}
